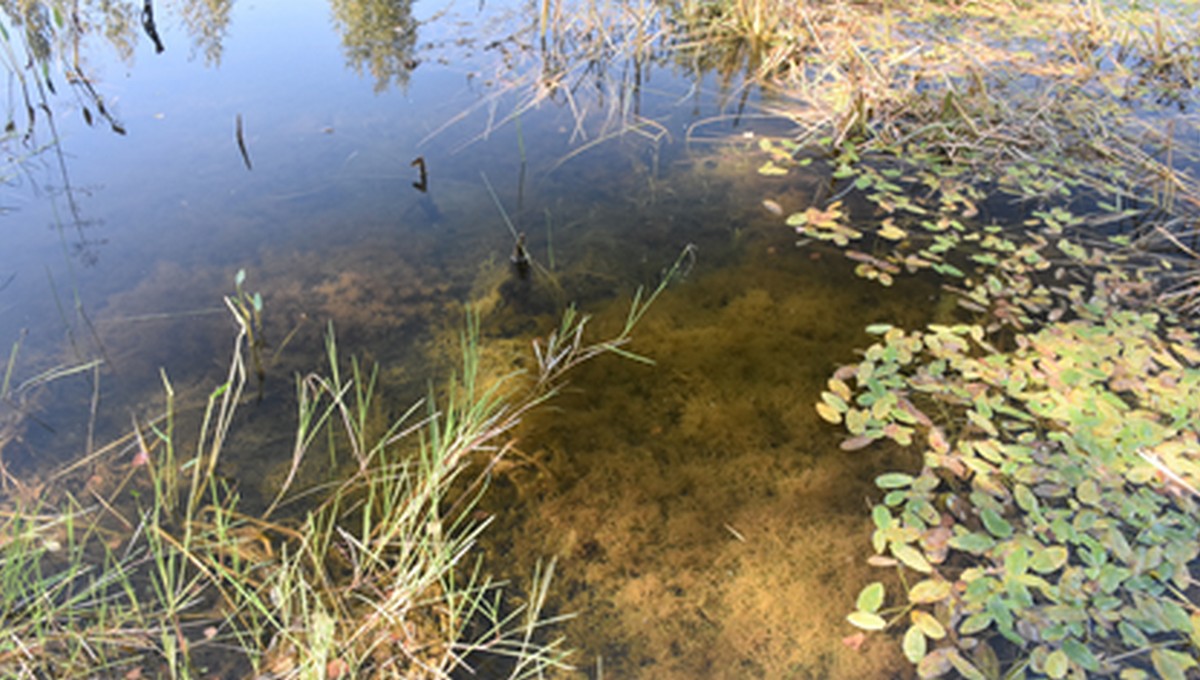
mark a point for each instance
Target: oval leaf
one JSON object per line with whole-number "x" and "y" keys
{"x": 930, "y": 626}
{"x": 911, "y": 557}
{"x": 964, "y": 667}
{"x": 1049, "y": 560}
{"x": 871, "y": 598}
{"x": 975, "y": 543}
{"x": 828, "y": 413}
{"x": 1167, "y": 663}
{"x": 995, "y": 524}
{"x": 914, "y": 644}
{"x": 867, "y": 620}
{"x": 975, "y": 623}
{"x": 1057, "y": 664}
{"x": 893, "y": 480}
{"x": 856, "y": 443}
{"x": 935, "y": 664}
{"x": 1080, "y": 654}
{"x": 882, "y": 517}
{"x": 928, "y": 591}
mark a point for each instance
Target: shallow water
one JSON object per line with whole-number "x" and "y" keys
{"x": 704, "y": 521}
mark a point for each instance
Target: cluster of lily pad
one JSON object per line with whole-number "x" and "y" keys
{"x": 1050, "y": 526}
{"x": 1053, "y": 522}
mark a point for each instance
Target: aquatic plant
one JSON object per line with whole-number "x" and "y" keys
{"x": 1048, "y": 525}
{"x": 248, "y": 309}
{"x": 1052, "y": 525}
{"x": 374, "y": 578}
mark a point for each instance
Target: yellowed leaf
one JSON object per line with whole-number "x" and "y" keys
{"x": 828, "y": 413}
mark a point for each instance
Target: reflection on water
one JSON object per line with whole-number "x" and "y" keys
{"x": 701, "y": 528}
{"x": 379, "y": 37}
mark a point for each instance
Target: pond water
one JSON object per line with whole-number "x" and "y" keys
{"x": 705, "y": 523}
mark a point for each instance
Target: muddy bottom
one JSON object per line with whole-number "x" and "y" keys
{"x": 704, "y": 521}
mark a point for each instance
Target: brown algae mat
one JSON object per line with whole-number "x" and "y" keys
{"x": 704, "y": 521}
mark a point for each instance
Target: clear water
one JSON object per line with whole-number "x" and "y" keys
{"x": 705, "y": 523}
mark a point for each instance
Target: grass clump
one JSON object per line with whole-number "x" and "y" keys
{"x": 139, "y": 559}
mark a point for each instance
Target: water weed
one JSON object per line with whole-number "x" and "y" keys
{"x": 1048, "y": 404}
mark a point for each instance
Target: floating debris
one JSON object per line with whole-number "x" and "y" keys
{"x": 149, "y": 26}
{"x": 241, "y": 142}
{"x": 422, "y": 184}
{"x": 520, "y": 257}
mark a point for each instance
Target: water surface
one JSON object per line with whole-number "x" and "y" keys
{"x": 705, "y": 523}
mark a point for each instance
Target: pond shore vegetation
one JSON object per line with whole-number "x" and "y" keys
{"x": 139, "y": 559}
{"x": 1036, "y": 160}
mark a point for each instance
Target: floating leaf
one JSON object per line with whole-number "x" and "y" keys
{"x": 964, "y": 667}
{"x": 928, "y": 624}
{"x": 1048, "y": 560}
{"x": 947, "y": 269}
{"x": 866, "y": 620}
{"x": 1131, "y": 635}
{"x": 889, "y": 230}
{"x": 838, "y": 403}
{"x": 929, "y": 591}
{"x": 1088, "y": 492}
{"x": 935, "y": 664}
{"x": 975, "y": 623}
{"x": 1025, "y": 498}
{"x": 975, "y": 543}
{"x": 828, "y": 413}
{"x": 911, "y": 557}
{"x": 882, "y": 517}
{"x": 856, "y": 443}
{"x": 1169, "y": 664}
{"x": 1080, "y": 654}
{"x": 840, "y": 388}
{"x": 914, "y": 644}
{"x": 1057, "y": 664}
{"x": 871, "y": 597}
{"x": 893, "y": 480}
{"x": 937, "y": 441}
{"x": 995, "y": 524}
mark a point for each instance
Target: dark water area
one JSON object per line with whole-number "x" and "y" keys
{"x": 704, "y": 521}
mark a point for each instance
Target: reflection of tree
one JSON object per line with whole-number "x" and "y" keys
{"x": 207, "y": 21}
{"x": 378, "y": 36}
{"x": 50, "y": 26}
